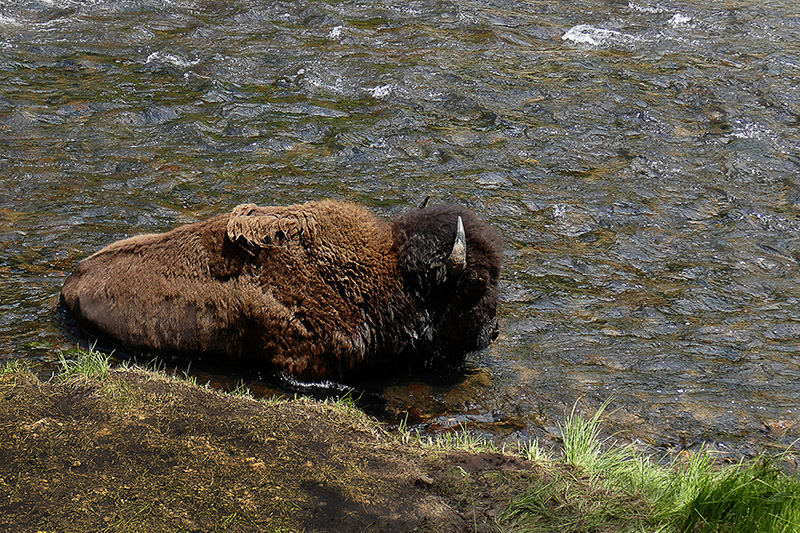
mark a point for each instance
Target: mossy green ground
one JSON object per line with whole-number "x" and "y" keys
{"x": 98, "y": 449}
{"x": 135, "y": 451}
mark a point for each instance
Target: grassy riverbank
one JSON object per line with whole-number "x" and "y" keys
{"x": 127, "y": 449}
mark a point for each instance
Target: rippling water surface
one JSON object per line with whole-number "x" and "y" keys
{"x": 642, "y": 160}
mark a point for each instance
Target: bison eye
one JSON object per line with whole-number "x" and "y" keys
{"x": 474, "y": 285}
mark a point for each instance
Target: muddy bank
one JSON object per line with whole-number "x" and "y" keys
{"x": 137, "y": 451}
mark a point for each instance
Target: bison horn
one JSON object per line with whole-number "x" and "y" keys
{"x": 457, "y": 261}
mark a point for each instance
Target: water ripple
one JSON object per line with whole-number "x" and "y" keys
{"x": 640, "y": 160}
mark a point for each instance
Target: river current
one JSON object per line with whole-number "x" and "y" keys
{"x": 641, "y": 159}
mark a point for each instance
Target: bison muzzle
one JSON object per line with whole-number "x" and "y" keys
{"x": 322, "y": 290}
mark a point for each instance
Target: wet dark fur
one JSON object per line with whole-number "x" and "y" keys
{"x": 323, "y": 290}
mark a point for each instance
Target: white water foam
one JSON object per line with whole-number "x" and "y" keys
{"x": 336, "y": 32}
{"x": 750, "y": 130}
{"x": 381, "y": 91}
{"x": 644, "y": 9}
{"x": 679, "y": 20}
{"x": 172, "y": 59}
{"x": 589, "y": 35}
{"x": 8, "y": 21}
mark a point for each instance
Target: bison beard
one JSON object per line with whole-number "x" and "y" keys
{"x": 323, "y": 290}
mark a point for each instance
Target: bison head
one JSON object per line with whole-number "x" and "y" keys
{"x": 450, "y": 260}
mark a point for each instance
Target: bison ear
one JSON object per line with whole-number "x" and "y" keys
{"x": 260, "y": 226}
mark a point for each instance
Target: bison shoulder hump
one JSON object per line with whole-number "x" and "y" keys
{"x": 260, "y": 226}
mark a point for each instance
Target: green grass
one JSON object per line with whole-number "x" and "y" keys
{"x": 459, "y": 439}
{"x": 602, "y": 487}
{"x": 87, "y": 363}
{"x": 753, "y": 496}
{"x": 242, "y": 390}
{"x": 462, "y": 439}
{"x": 15, "y": 366}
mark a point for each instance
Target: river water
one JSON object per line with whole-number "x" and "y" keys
{"x": 640, "y": 158}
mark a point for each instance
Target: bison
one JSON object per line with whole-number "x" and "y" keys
{"x": 322, "y": 290}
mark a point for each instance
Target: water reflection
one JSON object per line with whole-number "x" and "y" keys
{"x": 640, "y": 159}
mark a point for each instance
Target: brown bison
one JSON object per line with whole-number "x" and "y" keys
{"x": 323, "y": 290}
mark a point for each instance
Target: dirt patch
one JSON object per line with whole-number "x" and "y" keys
{"x": 135, "y": 451}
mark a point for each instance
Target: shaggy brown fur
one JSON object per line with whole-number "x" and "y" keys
{"x": 323, "y": 290}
